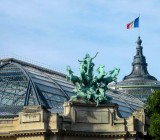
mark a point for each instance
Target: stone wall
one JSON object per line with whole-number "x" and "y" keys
{"x": 79, "y": 121}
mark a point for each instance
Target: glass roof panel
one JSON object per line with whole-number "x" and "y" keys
{"x": 48, "y": 89}
{"x": 125, "y": 109}
{"x": 13, "y": 85}
{"x": 124, "y": 114}
{"x": 42, "y": 82}
{"x": 119, "y": 102}
{"x": 48, "y": 86}
{"x": 32, "y": 98}
{"x": 67, "y": 88}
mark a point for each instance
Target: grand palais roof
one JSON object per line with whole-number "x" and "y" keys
{"x": 25, "y": 84}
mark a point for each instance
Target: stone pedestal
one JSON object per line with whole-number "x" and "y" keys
{"x": 92, "y": 118}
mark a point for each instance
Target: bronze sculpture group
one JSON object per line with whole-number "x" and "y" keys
{"x": 90, "y": 89}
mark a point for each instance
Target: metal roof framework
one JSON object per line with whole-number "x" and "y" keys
{"x": 24, "y": 84}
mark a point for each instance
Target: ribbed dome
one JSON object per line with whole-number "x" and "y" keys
{"x": 139, "y": 83}
{"x": 139, "y": 70}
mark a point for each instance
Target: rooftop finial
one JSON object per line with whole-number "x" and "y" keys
{"x": 139, "y": 41}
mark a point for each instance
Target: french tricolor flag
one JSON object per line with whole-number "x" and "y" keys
{"x": 133, "y": 24}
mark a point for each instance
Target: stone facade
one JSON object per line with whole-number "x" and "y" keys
{"x": 78, "y": 121}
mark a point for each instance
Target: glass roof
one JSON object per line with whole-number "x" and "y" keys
{"x": 13, "y": 85}
{"x": 23, "y": 84}
{"x": 141, "y": 89}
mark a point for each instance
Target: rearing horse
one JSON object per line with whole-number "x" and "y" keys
{"x": 112, "y": 77}
{"x": 101, "y": 73}
{"x": 72, "y": 77}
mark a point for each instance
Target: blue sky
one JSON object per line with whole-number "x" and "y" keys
{"x": 59, "y": 32}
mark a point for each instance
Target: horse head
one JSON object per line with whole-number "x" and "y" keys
{"x": 115, "y": 73}
{"x": 100, "y": 68}
{"x": 69, "y": 70}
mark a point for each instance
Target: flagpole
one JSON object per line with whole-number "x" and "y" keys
{"x": 139, "y": 25}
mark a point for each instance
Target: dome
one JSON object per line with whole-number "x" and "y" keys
{"x": 139, "y": 83}
{"x": 25, "y": 84}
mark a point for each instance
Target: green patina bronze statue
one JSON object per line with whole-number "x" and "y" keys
{"x": 90, "y": 89}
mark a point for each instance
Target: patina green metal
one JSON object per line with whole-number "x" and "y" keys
{"x": 90, "y": 88}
